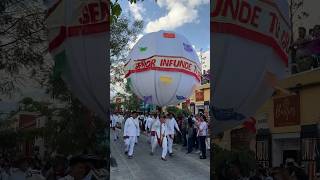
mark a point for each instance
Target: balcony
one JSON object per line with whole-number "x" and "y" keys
{"x": 205, "y": 77}
{"x": 305, "y": 55}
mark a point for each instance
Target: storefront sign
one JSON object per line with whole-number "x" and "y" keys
{"x": 199, "y": 95}
{"x": 118, "y": 100}
{"x": 286, "y": 111}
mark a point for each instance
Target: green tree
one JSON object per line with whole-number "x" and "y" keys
{"x": 121, "y": 34}
{"x": 131, "y": 101}
{"x": 8, "y": 139}
{"x": 296, "y": 14}
{"x": 178, "y": 112}
{"x": 22, "y": 44}
{"x": 73, "y": 123}
{"x": 222, "y": 159}
{"x": 116, "y": 9}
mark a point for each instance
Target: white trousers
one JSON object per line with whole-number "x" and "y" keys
{"x": 154, "y": 144}
{"x": 129, "y": 144}
{"x": 170, "y": 143}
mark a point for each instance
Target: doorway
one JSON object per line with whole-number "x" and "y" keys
{"x": 290, "y": 154}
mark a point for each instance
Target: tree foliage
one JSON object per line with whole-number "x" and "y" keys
{"x": 122, "y": 33}
{"x": 296, "y": 14}
{"x": 116, "y": 9}
{"x": 178, "y": 112}
{"x": 73, "y": 131}
{"x": 132, "y": 102}
{"x": 222, "y": 159}
{"x": 22, "y": 44}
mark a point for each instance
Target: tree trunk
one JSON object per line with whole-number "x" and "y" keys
{"x": 291, "y": 20}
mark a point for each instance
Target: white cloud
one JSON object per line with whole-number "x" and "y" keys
{"x": 136, "y": 9}
{"x": 179, "y": 13}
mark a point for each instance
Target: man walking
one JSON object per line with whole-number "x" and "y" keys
{"x": 154, "y": 125}
{"x": 130, "y": 133}
{"x": 137, "y": 122}
{"x": 148, "y": 123}
{"x": 161, "y": 137}
{"x": 171, "y": 124}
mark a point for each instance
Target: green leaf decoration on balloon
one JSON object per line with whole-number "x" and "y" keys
{"x": 143, "y": 49}
{"x": 60, "y": 64}
{"x": 129, "y": 85}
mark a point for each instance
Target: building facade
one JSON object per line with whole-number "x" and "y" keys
{"x": 288, "y": 126}
{"x": 199, "y": 101}
{"x": 288, "y": 123}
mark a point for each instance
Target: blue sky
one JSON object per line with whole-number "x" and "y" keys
{"x": 190, "y": 18}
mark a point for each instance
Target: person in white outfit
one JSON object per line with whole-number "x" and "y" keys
{"x": 160, "y": 138}
{"x": 148, "y": 123}
{"x": 171, "y": 126}
{"x": 153, "y": 128}
{"x": 130, "y": 133}
{"x": 137, "y": 122}
{"x": 120, "y": 120}
{"x": 114, "y": 121}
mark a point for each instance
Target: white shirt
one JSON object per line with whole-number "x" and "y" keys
{"x": 114, "y": 120}
{"x": 155, "y": 124}
{"x": 163, "y": 129}
{"x": 130, "y": 127}
{"x": 137, "y": 122}
{"x": 149, "y": 122}
{"x": 203, "y": 129}
{"x": 120, "y": 119}
{"x": 171, "y": 124}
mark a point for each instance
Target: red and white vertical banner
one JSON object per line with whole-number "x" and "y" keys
{"x": 78, "y": 42}
{"x": 250, "y": 42}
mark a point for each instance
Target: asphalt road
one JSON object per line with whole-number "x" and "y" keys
{"x": 143, "y": 166}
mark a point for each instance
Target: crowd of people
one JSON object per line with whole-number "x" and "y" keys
{"x": 162, "y": 130}
{"x": 302, "y": 59}
{"x": 80, "y": 167}
{"x": 290, "y": 171}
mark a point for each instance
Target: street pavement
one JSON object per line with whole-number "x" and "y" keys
{"x": 143, "y": 166}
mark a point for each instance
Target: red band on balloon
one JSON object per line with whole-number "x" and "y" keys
{"x": 162, "y": 69}
{"x": 169, "y": 35}
{"x": 162, "y": 56}
{"x": 74, "y": 31}
{"x": 219, "y": 27}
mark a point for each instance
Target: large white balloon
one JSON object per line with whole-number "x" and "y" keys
{"x": 163, "y": 68}
{"x": 78, "y": 45}
{"x": 250, "y": 52}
